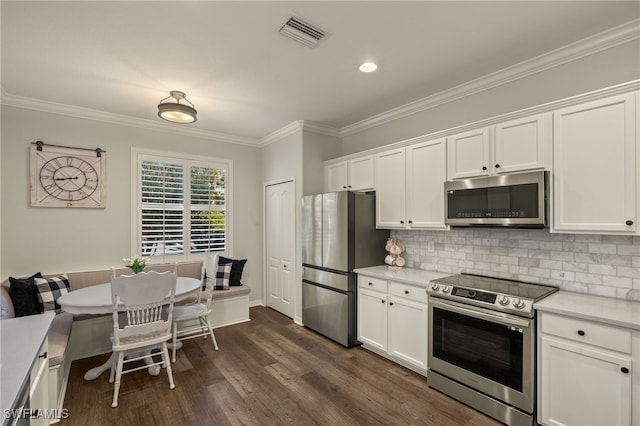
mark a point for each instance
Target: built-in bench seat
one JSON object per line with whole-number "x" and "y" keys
{"x": 73, "y": 337}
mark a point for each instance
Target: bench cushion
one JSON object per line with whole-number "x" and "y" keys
{"x": 59, "y": 337}
{"x": 233, "y": 291}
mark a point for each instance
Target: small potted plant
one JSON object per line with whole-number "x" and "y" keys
{"x": 136, "y": 263}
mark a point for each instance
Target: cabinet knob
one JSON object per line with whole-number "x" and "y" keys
{"x": 625, "y": 370}
{"x": 410, "y": 221}
{"x": 580, "y": 332}
{"x": 629, "y": 222}
{"x": 344, "y": 187}
{"x": 406, "y": 292}
{"x": 484, "y": 167}
{"x": 390, "y": 303}
{"x": 402, "y": 221}
{"x": 383, "y": 301}
{"x": 349, "y": 186}
{"x": 370, "y": 283}
{"x": 497, "y": 166}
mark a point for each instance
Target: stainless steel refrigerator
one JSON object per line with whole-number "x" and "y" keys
{"x": 338, "y": 235}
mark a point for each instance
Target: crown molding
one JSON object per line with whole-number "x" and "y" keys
{"x": 323, "y": 129}
{"x": 546, "y": 108}
{"x": 605, "y": 40}
{"x": 107, "y": 117}
{"x": 282, "y": 133}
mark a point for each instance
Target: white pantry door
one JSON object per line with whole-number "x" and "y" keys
{"x": 280, "y": 244}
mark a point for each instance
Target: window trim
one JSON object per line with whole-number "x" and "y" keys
{"x": 136, "y": 175}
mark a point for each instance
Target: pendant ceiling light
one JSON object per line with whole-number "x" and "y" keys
{"x": 177, "y": 112}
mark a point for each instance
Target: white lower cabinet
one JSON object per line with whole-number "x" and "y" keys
{"x": 392, "y": 321}
{"x": 39, "y": 387}
{"x": 407, "y": 339}
{"x": 585, "y": 372}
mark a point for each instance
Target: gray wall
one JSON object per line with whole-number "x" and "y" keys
{"x": 316, "y": 149}
{"x": 603, "y": 69}
{"x": 54, "y": 240}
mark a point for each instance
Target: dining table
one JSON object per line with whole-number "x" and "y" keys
{"x": 96, "y": 300}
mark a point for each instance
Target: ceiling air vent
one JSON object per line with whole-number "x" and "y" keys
{"x": 302, "y": 32}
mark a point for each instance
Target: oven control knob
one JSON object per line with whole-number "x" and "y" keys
{"x": 435, "y": 286}
{"x": 503, "y": 300}
{"x": 446, "y": 289}
{"x": 518, "y": 303}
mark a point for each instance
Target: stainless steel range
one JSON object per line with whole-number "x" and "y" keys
{"x": 482, "y": 343}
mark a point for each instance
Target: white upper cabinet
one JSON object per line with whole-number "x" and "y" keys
{"x": 595, "y": 167}
{"x": 469, "y": 154}
{"x": 391, "y": 189}
{"x": 352, "y": 175}
{"x": 410, "y": 186}
{"x": 426, "y": 173}
{"x": 515, "y": 145}
{"x": 521, "y": 144}
{"x": 335, "y": 177}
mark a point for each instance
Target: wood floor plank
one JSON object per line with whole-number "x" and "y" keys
{"x": 268, "y": 371}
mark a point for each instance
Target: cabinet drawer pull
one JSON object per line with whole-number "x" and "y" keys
{"x": 43, "y": 356}
{"x": 580, "y": 333}
{"x": 629, "y": 222}
{"x": 625, "y": 370}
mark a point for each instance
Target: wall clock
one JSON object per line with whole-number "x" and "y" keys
{"x": 67, "y": 177}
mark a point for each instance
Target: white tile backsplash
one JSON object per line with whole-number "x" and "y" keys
{"x": 603, "y": 265}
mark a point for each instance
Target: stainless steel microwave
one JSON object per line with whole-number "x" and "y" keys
{"x": 514, "y": 200}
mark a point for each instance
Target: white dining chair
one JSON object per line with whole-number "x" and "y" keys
{"x": 142, "y": 309}
{"x": 199, "y": 310}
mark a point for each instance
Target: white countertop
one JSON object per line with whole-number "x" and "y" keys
{"x": 618, "y": 312}
{"x": 419, "y": 277}
{"x": 21, "y": 339}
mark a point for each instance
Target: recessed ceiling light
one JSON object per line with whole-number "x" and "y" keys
{"x": 368, "y": 67}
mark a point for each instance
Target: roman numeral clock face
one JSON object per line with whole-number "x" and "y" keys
{"x": 64, "y": 177}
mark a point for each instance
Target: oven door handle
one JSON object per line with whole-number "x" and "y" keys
{"x": 481, "y": 313}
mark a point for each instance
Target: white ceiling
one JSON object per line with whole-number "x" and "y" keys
{"x": 248, "y": 81}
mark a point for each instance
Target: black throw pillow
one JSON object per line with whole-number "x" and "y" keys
{"x": 237, "y": 266}
{"x": 24, "y": 295}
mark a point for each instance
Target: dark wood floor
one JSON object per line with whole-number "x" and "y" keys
{"x": 267, "y": 372}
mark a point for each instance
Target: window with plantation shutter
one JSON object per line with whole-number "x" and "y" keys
{"x": 183, "y": 205}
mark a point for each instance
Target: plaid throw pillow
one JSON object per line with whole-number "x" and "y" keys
{"x": 222, "y": 277}
{"x": 49, "y": 289}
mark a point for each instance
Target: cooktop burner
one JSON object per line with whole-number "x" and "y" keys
{"x": 515, "y": 297}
